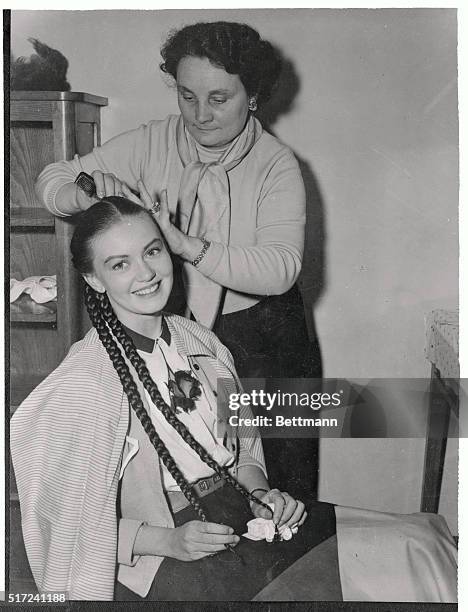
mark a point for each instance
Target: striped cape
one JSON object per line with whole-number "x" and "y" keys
{"x": 67, "y": 440}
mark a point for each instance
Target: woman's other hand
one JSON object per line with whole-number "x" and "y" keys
{"x": 186, "y": 247}
{"x": 197, "y": 539}
{"x": 107, "y": 184}
{"x": 287, "y": 510}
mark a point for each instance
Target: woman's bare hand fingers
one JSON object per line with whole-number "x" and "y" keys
{"x": 216, "y": 534}
{"x": 163, "y": 216}
{"x": 197, "y": 539}
{"x": 280, "y": 504}
{"x": 299, "y": 514}
{"x": 118, "y": 187}
{"x": 289, "y": 508}
{"x": 98, "y": 178}
{"x": 111, "y": 185}
{"x": 128, "y": 193}
{"x": 107, "y": 184}
{"x": 301, "y": 521}
{"x": 210, "y": 540}
{"x": 145, "y": 195}
{"x": 164, "y": 203}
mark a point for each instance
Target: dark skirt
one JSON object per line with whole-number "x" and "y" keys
{"x": 224, "y": 577}
{"x": 270, "y": 340}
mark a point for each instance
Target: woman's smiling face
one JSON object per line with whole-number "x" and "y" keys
{"x": 213, "y": 103}
{"x": 131, "y": 263}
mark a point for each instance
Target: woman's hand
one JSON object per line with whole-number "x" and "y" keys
{"x": 197, "y": 539}
{"x": 187, "y": 247}
{"x": 288, "y": 511}
{"x": 107, "y": 184}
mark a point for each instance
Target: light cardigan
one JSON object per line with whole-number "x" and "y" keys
{"x": 67, "y": 443}
{"x": 266, "y": 241}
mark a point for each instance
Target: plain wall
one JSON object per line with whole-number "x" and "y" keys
{"x": 369, "y": 105}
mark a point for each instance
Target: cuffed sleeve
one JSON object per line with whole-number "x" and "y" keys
{"x": 124, "y": 156}
{"x": 250, "y": 449}
{"x": 52, "y": 179}
{"x": 128, "y": 529}
{"x": 245, "y": 458}
{"x": 268, "y": 270}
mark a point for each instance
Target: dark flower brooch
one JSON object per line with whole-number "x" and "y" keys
{"x": 184, "y": 389}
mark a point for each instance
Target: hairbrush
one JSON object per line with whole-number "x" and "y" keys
{"x": 86, "y": 183}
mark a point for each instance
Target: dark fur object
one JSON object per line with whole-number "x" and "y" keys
{"x": 45, "y": 70}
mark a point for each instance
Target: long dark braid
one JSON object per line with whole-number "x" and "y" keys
{"x": 131, "y": 390}
{"x": 138, "y": 363}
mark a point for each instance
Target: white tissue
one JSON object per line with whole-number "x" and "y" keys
{"x": 41, "y": 288}
{"x": 264, "y": 529}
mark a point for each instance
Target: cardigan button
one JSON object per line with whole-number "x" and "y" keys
{"x": 196, "y": 366}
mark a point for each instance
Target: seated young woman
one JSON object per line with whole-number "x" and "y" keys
{"x": 131, "y": 481}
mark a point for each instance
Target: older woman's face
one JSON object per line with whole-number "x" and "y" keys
{"x": 213, "y": 103}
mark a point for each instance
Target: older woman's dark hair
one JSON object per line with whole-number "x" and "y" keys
{"x": 236, "y": 47}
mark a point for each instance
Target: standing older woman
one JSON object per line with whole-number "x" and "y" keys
{"x": 237, "y": 200}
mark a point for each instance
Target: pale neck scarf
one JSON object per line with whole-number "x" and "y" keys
{"x": 204, "y": 209}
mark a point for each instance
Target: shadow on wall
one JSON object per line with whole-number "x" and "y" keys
{"x": 365, "y": 416}
{"x": 389, "y": 408}
{"x": 312, "y": 281}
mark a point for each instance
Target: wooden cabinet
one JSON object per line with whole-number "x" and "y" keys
{"x": 44, "y": 127}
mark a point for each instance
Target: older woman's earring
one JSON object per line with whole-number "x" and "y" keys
{"x": 253, "y": 104}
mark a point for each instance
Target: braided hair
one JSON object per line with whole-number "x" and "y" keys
{"x": 91, "y": 223}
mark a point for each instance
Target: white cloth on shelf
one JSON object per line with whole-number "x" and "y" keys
{"x": 41, "y": 288}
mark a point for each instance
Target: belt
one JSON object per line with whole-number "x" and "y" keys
{"x": 202, "y": 487}
{"x": 208, "y": 485}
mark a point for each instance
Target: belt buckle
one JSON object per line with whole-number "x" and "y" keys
{"x": 204, "y": 485}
